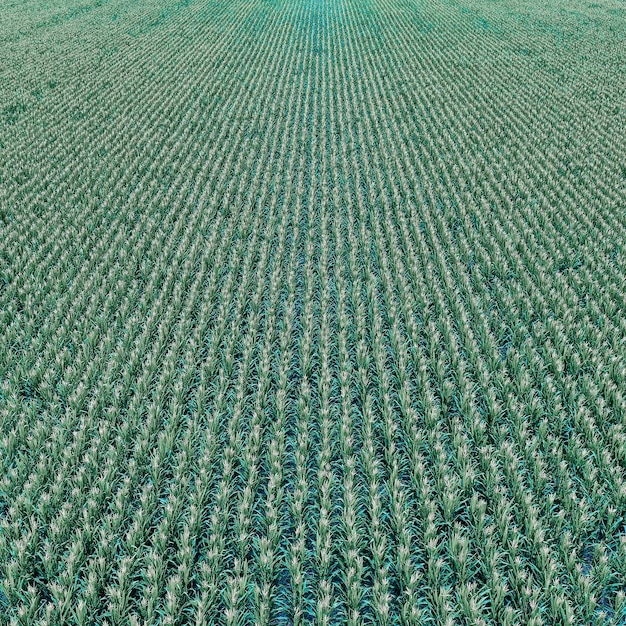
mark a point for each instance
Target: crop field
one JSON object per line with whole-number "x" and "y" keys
{"x": 312, "y": 312}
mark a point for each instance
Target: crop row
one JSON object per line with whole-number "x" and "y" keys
{"x": 312, "y": 312}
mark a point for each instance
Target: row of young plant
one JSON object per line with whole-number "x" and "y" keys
{"x": 141, "y": 364}
{"x": 324, "y": 346}
{"x": 602, "y": 489}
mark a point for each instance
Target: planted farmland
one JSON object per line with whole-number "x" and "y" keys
{"x": 312, "y": 312}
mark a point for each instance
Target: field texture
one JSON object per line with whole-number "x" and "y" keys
{"x": 312, "y": 311}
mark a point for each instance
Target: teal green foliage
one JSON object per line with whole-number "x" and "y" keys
{"x": 312, "y": 312}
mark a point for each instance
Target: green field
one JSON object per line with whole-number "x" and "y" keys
{"x": 313, "y": 312}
